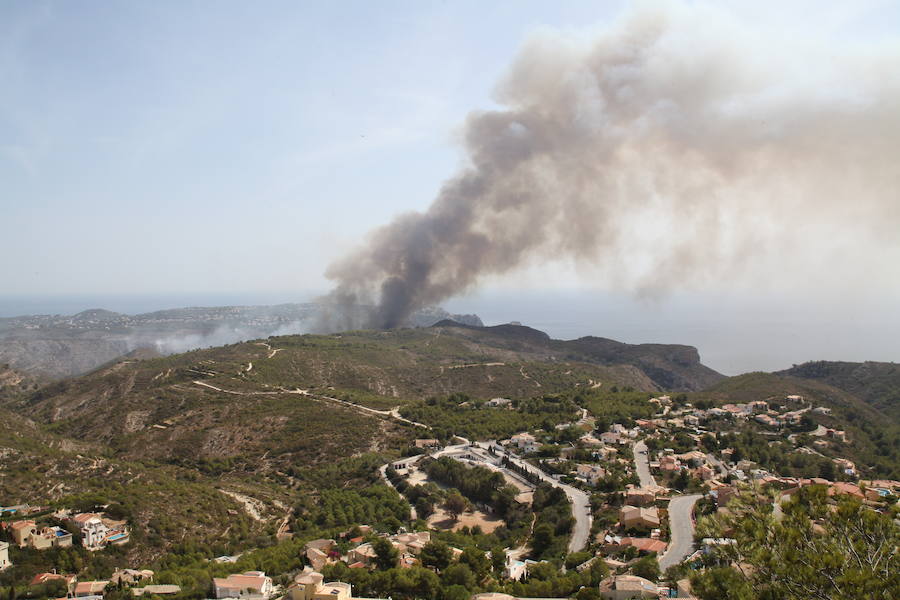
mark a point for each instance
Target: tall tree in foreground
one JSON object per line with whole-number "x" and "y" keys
{"x": 814, "y": 549}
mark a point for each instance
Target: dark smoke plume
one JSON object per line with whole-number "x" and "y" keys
{"x": 670, "y": 149}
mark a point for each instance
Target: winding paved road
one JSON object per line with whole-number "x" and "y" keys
{"x": 681, "y": 509}
{"x": 681, "y": 523}
{"x": 581, "y": 503}
{"x": 642, "y": 464}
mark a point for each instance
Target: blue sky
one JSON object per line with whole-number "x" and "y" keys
{"x": 202, "y": 148}
{"x": 155, "y": 147}
{"x": 163, "y": 146}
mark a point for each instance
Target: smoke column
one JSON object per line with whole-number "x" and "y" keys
{"x": 723, "y": 141}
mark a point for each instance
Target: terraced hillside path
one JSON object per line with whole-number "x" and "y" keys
{"x": 391, "y": 414}
{"x": 272, "y": 351}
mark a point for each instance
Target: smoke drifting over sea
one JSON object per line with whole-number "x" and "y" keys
{"x": 671, "y": 149}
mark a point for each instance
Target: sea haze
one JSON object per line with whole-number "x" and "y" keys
{"x": 733, "y": 334}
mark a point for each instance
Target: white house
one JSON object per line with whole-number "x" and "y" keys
{"x": 525, "y": 442}
{"x": 93, "y": 531}
{"x": 4, "y": 556}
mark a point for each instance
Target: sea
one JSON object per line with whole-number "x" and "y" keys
{"x": 734, "y": 333}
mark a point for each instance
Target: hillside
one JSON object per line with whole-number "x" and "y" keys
{"x": 268, "y": 421}
{"x": 878, "y": 383}
{"x": 874, "y": 436}
{"x": 14, "y": 383}
{"x": 263, "y": 406}
{"x": 669, "y": 366}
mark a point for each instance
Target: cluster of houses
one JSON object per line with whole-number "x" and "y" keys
{"x": 96, "y": 530}
{"x": 363, "y": 555}
{"x": 94, "y": 590}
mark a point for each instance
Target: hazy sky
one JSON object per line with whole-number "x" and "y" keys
{"x": 206, "y": 147}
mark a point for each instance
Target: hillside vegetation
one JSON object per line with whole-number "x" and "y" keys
{"x": 223, "y": 445}
{"x": 874, "y": 436}
{"x": 878, "y": 383}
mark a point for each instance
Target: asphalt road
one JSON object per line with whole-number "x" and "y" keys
{"x": 642, "y": 464}
{"x": 580, "y": 500}
{"x": 581, "y": 506}
{"x": 681, "y": 523}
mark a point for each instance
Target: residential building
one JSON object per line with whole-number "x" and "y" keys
{"x": 364, "y": 553}
{"x": 69, "y": 580}
{"x": 589, "y": 440}
{"x": 591, "y": 473}
{"x": 252, "y": 585}
{"x": 767, "y": 420}
{"x": 611, "y": 437}
{"x": 525, "y": 442}
{"x": 641, "y": 544}
{"x": 499, "y": 402}
{"x": 636, "y": 496}
{"x": 316, "y": 558}
{"x": 50, "y": 537}
{"x": 90, "y": 590}
{"x": 669, "y": 463}
{"x": 705, "y": 473}
{"x": 22, "y": 532}
{"x": 4, "y": 556}
{"x": 793, "y": 418}
{"x": 637, "y": 517}
{"x": 310, "y": 585}
{"x": 323, "y": 545}
{"x": 411, "y": 543}
{"x": 93, "y": 531}
{"x": 131, "y": 576}
{"x": 846, "y": 466}
{"x": 427, "y": 443}
{"x": 516, "y": 569}
{"x": 157, "y": 590}
{"x": 623, "y": 587}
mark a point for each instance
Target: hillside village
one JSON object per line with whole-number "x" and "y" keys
{"x": 618, "y": 499}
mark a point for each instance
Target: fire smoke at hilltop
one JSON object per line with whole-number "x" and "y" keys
{"x": 714, "y": 140}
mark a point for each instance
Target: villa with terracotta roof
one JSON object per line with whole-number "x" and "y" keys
{"x": 90, "y": 589}
{"x": 310, "y": 585}
{"x": 638, "y": 517}
{"x": 252, "y": 585}
{"x": 22, "y": 531}
{"x": 42, "y": 578}
{"x": 644, "y": 544}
